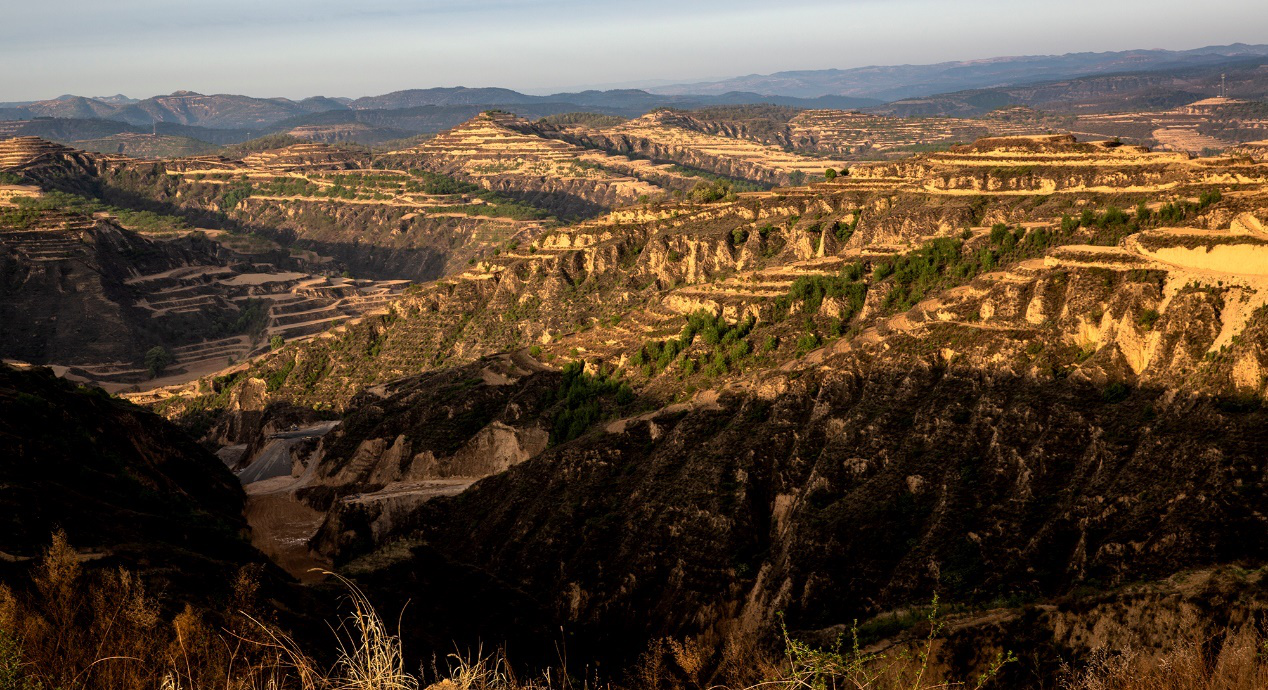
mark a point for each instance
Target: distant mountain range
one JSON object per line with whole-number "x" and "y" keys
{"x": 896, "y": 82}
{"x": 1162, "y": 89}
{"x": 1073, "y": 83}
{"x": 229, "y": 111}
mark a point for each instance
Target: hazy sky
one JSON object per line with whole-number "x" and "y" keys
{"x": 355, "y": 48}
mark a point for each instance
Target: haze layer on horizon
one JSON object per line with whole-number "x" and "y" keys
{"x": 299, "y": 48}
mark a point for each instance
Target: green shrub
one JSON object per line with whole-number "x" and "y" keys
{"x": 277, "y": 378}
{"x": 710, "y": 191}
{"x": 812, "y": 290}
{"x": 998, "y": 232}
{"x": 234, "y": 194}
{"x": 1148, "y": 318}
{"x": 807, "y": 342}
{"x": 581, "y": 396}
{"x": 157, "y": 359}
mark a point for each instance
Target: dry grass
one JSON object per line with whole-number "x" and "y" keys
{"x": 75, "y": 631}
{"x": 1238, "y": 660}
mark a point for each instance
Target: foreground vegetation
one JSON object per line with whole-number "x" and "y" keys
{"x": 77, "y": 628}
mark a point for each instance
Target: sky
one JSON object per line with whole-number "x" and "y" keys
{"x": 353, "y": 48}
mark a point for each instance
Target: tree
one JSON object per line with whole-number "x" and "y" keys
{"x": 796, "y": 178}
{"x": 709, "y": 191}
{"x": 829, "y": 174}
{"x": 276, "y": 342}
{"x": 157, "y": 359}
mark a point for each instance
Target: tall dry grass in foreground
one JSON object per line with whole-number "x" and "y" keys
{"x": 78, "y": 631}
{"x": 1237, "y": 660}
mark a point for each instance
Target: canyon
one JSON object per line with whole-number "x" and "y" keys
{"x": 725, "y": 377}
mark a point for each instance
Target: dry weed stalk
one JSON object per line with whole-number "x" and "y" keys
{"x": 1238, "y": 661}
{"x": 369, "y": 654}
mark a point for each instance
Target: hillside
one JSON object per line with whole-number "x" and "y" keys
{"x": 969, "y": 372}
{"x": 92, "y": 296}
{"x": 126, "y": 487}
{"x": 635, "y": 353}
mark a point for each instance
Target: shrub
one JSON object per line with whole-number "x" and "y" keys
{"x": 812, "y": 290}
{"x": 998, "y": 231}
{"x": 807, "y": 342}
{"x": 582, "y": 395}
{"x": 277, "y": 378}
{"x": 157, "y": 359}
{"x": 842, "y": 231}
{"x": 1114, "y": 216}
{"x": 1148, "y": 318}
{"x": 276, "y": 342}
{"x": 829, "y": 174}
{"x": 739, "y": 236}
{"x": 235, "y": 194}
{"x": 710, "y": 191}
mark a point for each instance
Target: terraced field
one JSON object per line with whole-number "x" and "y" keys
{"x": 503, "y": 153}
{"x": 677, "y": 137}
{"x": 1211, "y": 124}
{"x": 858, "y": 134}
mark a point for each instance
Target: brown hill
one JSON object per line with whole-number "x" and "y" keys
{"x": 936, "y": 374}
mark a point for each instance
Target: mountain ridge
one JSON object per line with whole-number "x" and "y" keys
{"x": 920, "y": 80}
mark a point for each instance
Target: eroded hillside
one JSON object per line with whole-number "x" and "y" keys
{"x": 680, "y": 419}
{"x": 975, "y": 371}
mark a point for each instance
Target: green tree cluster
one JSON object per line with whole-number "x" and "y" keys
{"x": 582, "y": 398}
